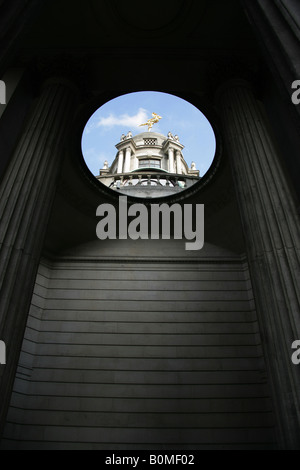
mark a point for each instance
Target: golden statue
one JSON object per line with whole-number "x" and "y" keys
{"x": 152, "y": 121}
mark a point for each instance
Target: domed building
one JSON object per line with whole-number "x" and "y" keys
{"x": 149, "y": 164}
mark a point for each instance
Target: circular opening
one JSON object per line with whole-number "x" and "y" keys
{"x": 148, "y": 144}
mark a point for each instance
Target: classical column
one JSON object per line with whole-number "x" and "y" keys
{"x": 272, "y": 234}
{"x": 135, "y": 162}
{"x": 171, "y": 160}
{"x": 120, "y": 161}
{"x": 26, "y": 195}
{"x": 178, "y": 162}
{"x": 127, "y": 160}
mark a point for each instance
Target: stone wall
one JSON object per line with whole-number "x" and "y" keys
{"x": 139, "y": 353}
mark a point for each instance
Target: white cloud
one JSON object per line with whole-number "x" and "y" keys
{"x": 124, "y": 120}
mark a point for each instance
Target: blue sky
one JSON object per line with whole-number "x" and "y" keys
{"x": 120, "y": 115}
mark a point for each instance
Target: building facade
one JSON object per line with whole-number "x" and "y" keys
{"x": 140, "y": 344}
{"x": 149, "y": 165}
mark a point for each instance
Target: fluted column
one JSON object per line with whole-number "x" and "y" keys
{"x": 26, "y": 196}
{"x": 272, "y": 233}
{"x": 171, "y": 160}
{"x": 127, "y": 160}
{"x": 120, "y": 161}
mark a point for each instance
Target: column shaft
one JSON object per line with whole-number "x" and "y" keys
{"x": 26, "y": 195}
{"x": 120, "y": 161}
{"x": 178, "y": 162}
{"x": 272, "y": 233}
{"x": 171, "y": 160}
{"x": 127, "y": 160}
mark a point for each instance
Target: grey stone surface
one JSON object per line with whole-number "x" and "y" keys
{"x": 157, "y": 353}
{"x": 26, "y": 195}
{"x": 271, "y": 221}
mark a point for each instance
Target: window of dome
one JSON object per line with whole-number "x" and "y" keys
{"x": 148, "y": 132}
{"x": 149, "y": 163}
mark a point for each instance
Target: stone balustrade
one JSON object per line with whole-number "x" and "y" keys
{"x": 149, "y": 178}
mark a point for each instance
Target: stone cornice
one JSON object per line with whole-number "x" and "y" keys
{"x": 170, "y": 143}
{"x": 49, "y": 257}
{"x": 124, "y": 144}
